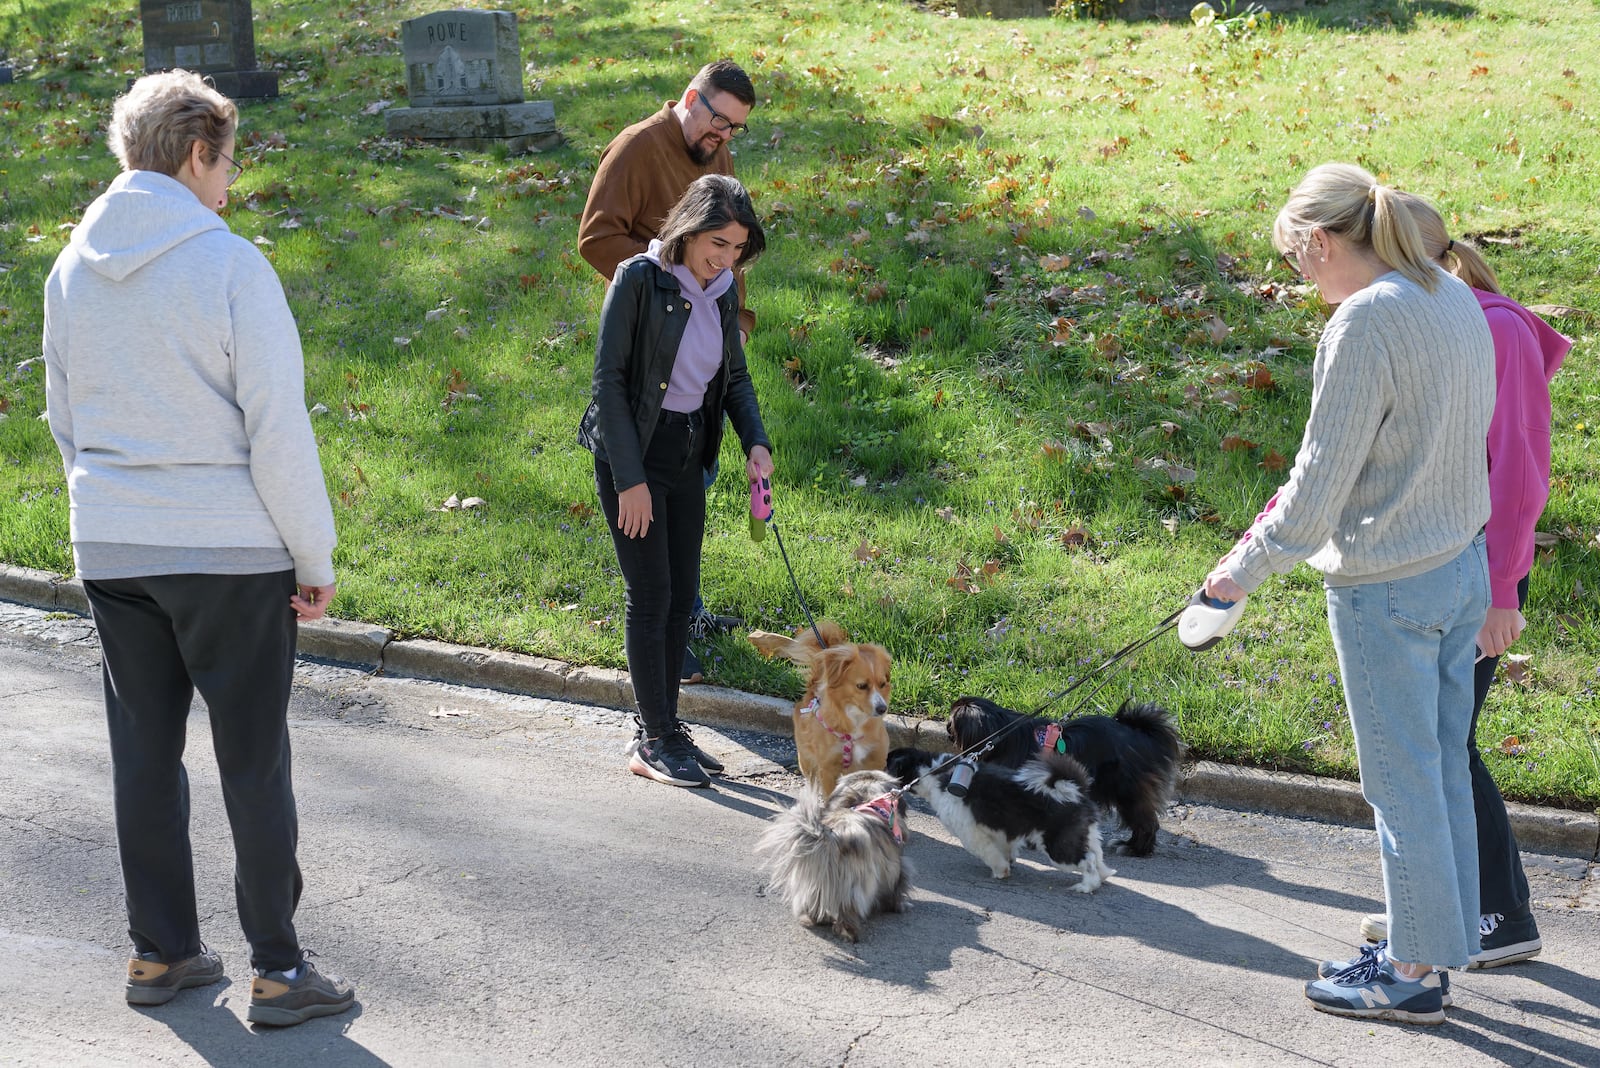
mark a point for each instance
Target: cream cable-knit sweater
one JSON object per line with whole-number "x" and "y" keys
{"x": 1391, "y": 479}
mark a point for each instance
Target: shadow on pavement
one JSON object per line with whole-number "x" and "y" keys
{"x": 1200, "y": 865}
{"x": 747, "y": 798}
{"x": 1043, "y": 895}
{"x": 220, "y": 1038}
{"x": 1512, "y": 1042}
{"x": 908, "y": 948}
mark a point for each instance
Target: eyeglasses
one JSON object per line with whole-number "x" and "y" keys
{"x": 1292, "y": 256}
{"x": 234, "y": 168}
{"x": 720, "y": 122}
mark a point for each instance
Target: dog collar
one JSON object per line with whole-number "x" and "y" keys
{"x": 1049, "y": 738}
{"x": 847, "y": 742}
{"x": 886, "y": 808}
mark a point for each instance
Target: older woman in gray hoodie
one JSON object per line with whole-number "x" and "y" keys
{"x": 200, "y": 526}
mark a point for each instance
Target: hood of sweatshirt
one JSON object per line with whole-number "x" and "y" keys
{"x": 1553, "y": 345}
{"x": 141, "y": 215}
{"x": 719, "y": 285}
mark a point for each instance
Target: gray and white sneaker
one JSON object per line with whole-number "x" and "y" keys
{"x": 1372, "y": 989}
{"x": 1330, "y": 969}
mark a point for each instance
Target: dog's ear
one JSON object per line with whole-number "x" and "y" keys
{"x": 831, "y": 665}
{"x": 781, "y": 645}
{"x": 878, "y": 659}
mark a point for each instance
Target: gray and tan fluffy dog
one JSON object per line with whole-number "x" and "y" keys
{"x": 840, "y": 860}
{"x": 1044, "y": 804}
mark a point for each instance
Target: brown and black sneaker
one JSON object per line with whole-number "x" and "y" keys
{"x": 151, "y": 982}
{"x": 279, "y": 1001}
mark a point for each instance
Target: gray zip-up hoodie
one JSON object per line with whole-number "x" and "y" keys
{"x": 176, "y": 387}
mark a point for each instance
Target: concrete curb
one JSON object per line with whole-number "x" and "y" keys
{"x": 376, "y": 649}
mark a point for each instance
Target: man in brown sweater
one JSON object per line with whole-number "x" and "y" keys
{"x": 646, "y": 168}
{"x": 643, "y": 172}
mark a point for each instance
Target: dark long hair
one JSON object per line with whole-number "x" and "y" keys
{"x": 710, "y": 203}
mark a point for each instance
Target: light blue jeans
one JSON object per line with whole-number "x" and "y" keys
{"x": 1406, "y": 651}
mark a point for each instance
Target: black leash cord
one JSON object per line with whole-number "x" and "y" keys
{"x": 985, "y": 744}
{"x": 773, "y": 522}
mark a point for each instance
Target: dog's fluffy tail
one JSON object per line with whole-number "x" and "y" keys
{"x": 1056, "y": 775}
{"x": 1156, "y": 723}
{"x": 821, "y": 864}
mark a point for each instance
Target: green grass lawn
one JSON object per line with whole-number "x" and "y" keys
{"x": 1026, "y": 353}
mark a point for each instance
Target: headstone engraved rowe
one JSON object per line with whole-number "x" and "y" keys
{"x": 213, "y": 37}
{"x": 464, "y": 84}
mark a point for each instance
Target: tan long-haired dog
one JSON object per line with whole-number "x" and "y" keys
{"x": 838, "y": 722}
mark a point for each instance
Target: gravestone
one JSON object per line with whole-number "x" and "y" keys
{"x": 212, "y": 37}
{"x": 464, "y": 84}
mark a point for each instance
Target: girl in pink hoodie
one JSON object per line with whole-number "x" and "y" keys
{"x": 1527, "y": 353}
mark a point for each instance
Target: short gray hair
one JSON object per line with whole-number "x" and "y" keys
{"x": 154, "y": 122}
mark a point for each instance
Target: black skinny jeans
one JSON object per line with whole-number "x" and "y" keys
{"x": 661, "y": 571}
{"x": 232, "y": 637}
{"x": 1502, "y": 884}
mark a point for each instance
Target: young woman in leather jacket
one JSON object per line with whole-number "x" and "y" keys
{"x": 668, "y": 366}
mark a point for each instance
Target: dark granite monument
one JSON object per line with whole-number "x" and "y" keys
{"x": 212, "y": 37}
{"x": 464, "y": 84}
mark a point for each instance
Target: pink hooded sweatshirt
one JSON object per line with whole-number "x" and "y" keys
{"x": 1527, "y": 353}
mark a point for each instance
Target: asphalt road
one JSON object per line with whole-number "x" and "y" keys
{"x": 503, "y": 892}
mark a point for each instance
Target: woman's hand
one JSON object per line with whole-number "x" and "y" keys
{"x": 1220, "y": 585}
{"x": 1501, "y": 628}
{"x": 311, "y": 602}
{"x": 759, "y": 463}
{"x": 634, "y": 510}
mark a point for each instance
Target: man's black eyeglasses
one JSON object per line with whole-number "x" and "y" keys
{"x": 720, "y": 122}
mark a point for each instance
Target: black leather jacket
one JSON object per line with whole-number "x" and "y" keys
{"x": 641, "y": 325}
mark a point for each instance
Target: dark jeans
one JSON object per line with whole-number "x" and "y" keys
{"x": 1503, "y": 887}
{"x": 661, "y": 571}
{"x": 232, "y": 637}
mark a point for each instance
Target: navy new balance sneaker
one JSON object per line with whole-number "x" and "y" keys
{"x": 1371, "y": 989}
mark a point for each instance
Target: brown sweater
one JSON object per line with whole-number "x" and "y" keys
{"x": 642, "y": 174}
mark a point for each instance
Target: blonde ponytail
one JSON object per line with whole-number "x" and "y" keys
{"x": 1461, "y": 259}
{"x": 1397, "y": 240}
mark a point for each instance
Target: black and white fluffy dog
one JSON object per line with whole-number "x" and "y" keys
{"x": 1132, "y": 758}
{"x": 1043, "y": 804}
{"x": 838, "y": 860}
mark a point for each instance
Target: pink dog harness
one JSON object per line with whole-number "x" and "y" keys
{"x": 887, "y": 808}
{"x": 847, "y": 742}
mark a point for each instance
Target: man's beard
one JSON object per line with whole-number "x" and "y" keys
{"x": 701, "y": 154}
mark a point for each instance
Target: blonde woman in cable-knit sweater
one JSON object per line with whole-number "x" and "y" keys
{"x": 1387, "y": 498}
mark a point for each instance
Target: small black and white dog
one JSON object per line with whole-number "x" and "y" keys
{"x": 1132, "y": 758}
{"x": 839, "y": 860}
{"x": 1044, "y": 804}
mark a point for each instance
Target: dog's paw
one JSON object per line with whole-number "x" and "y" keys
{"x": 1001, "y": 873}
